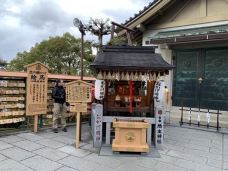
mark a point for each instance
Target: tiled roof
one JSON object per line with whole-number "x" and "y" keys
{"x": 130, "y": 57}
{"x": 140, "y": 12}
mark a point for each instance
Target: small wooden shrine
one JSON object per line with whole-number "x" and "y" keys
{"x": 130, "y": 74}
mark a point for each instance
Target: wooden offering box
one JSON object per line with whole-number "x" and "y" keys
{"x": 130, "y": 136}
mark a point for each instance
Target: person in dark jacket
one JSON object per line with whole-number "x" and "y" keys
{"x": 59, "y": 96}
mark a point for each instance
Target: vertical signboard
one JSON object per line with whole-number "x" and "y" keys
{"x": 159, "y": 101}
{"x": 36, "y": 91}
{"x": 96, "y": 124}
{"x": 78, "y": 94}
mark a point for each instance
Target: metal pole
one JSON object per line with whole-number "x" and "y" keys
{"x": 82, "y": 54}
{"x": 81, "y": 66}
{"x": 217, "y": 120}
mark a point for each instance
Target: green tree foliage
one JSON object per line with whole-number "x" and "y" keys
{"x": 118, "y": 40}
{"x": 60, "y": 54}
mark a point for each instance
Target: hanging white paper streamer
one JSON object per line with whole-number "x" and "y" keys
{"x": 99, "y": 76}
{"x": 189, "y": 115}
{"x": 198, "y": 117}
{"x": 117, "y": 76}
{"x": 208, "y": 117}
{"x": 127, "y": 76}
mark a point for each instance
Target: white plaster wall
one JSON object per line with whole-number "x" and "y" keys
{"x": 166, "y": 53}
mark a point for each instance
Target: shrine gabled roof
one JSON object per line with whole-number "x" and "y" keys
{"x": 37, "y": 62}
{"x": 129, "y": 58}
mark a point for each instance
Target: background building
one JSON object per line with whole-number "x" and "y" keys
{"x": 193, "y": 36}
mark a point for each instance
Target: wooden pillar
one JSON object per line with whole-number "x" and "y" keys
{"x": 78, "y": 130}
{"x": 35, "y": 126}
{"x": 203, "y": 8}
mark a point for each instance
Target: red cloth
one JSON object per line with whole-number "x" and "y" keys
{"x": 131, "y": 94}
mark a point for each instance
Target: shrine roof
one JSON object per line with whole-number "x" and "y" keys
{"x": 130, "y": 58}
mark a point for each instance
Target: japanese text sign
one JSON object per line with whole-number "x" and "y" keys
{"x": 36, "y": 96}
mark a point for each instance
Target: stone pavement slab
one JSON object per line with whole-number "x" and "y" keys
{"x": 48, "y": 134}
{"x": 50, "y": 143}
{"x": 146, "y": 162}
{"x": 28, "y": 145}
{"x": 12, "y": 139}
{"x": 30, "y": 136}
{"x": 2, "y": 158}
{"x": 41, "y": 164}
{"x": 161, "y": 166}
{"x": 215, "y": 163}
{"x": 79, "y": 163}
{"x": 4, "y": 145}
{"x": 90, "y": 148}
{"x": 65, "y": 140}
{"x": 111, "y": 162}
{"x": 50, "y": 153}
{"x": 16, "y": 153}
{"x": 64, "y": 168}
{"x": 103, "y": 168}
{"x": 194, "y": 165}
{"x": 132, "y": 166}
{"x": 184, "y": 149}
{"x": 11, "y": 165}
{"x": 167, "y": 159}
{"x": 73, "y": 151}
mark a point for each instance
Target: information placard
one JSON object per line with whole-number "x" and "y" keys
{"x": 78, "y": 91}
{"x": 36, "y": 96}
{"x": 78, "y": 107}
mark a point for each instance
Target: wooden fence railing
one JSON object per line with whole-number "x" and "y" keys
{"x": 13, "y": 95}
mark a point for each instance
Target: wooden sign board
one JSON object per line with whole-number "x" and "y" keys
{"x": 78, "y": 92}
{"x": 37, "y": 84}
{"x": 78, "y": 107}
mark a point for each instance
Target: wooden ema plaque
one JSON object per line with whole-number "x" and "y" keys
{"x": 130, "y": 136}
{"x": 36, "y": 96}
{"x": 78, "y": 94}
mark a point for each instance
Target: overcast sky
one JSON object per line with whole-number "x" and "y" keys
{"x": 26, "y": 22}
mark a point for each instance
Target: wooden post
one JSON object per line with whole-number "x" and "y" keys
{"x": 35, "y": 123}
{"x": 78, "y": 130}
{"x": 78, "y": 94}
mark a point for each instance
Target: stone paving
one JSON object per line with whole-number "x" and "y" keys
{"x": 184, "y": 150}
